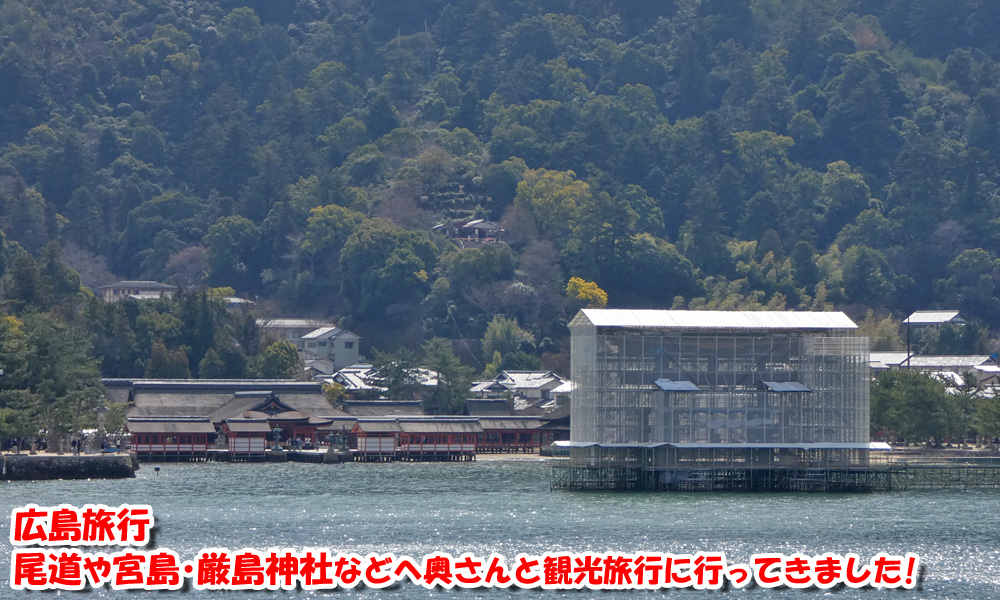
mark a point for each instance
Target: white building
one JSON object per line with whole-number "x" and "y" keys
{"x": 537, "y": 391}
{"x": 982, "y": 366}
{"x": 137, "y": 290}
{"x": 316, "y": 340}
{"x": 331, "y": 343}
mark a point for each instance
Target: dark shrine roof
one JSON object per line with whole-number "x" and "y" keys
{"x": 487, "y": 408}
{"x": 219, "y": 400}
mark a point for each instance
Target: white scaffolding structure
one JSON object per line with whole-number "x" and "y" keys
{"x": 758, "y": 384}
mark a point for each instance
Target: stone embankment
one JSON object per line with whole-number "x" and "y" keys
{"x": 29, "y": 467}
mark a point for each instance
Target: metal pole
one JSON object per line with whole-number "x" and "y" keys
{"x": 907, "y": 343}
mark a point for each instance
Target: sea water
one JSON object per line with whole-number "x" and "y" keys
{"x": 506, "y": 507}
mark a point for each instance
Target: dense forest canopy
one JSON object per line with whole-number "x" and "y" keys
{"x": 695, "y": 154}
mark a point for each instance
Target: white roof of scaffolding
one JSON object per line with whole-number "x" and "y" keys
{"x": 740, "y": 446}
{"x": 717, "y": 319}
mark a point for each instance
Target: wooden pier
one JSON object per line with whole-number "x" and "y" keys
{"x": 775, "y": 479}
{"x": 915, "y": 473}
{"x": 944, "y": 476}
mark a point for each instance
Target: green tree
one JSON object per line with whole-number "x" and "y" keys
{"x": 26, "y": 288}
{"x": 701, "y": 236}
{"x": 331, "y": 93}
{"x": 114, "y": 417}
{"x": 844, "y": 196}
{"x": 867, "y": 276}
{"x": 386, "y": 270}
{"x": 500, "y": 181}
{"x": 61, "y": 373}
{"x": 174, "y": 213}
{"x": 167, "y": 364}
{"x": 211, "y": 367}
{"x": 397, "y": 374}
{"x": 554, "y": 198}
{"x": 232, "y": 245}
{"x": 883, "y": 334}
{"x": 952, "y": 339}
{"x": 280, "y": 360}
{"x": 864, "y": 100}
{"x": 454, "y": 379}
{"x": 381, "y": 117}
{"x": 986, "y": 419}
{"x": 503, "y": 335}
{"x": 23, "y": 215}
{"x": 340, "y": 139}
{"x": 971, "y": 284}
{"x": 327, "y": 229}
{"x": 914, "y": 405}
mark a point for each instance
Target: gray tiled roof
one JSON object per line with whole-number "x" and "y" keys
{"x": 487, "y": 408}
{"x": 147, "y": 285}
{"x": 489, "y": 423}
{"x": 169, "y": 426}
{"x": 247, "y": 426}
{"x": 440, "y": 425}
{"x": 382, "y": 408}
{"x": 222, "y": 399}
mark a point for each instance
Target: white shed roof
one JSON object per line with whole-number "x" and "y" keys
{"x": 332, "y": 331}
{"x": 889, "y": 359}
{"x": 717, "y": 319}
{"x": 933, "y": 317}
{"x": 291, "y": 323}
{"x": 948, "y": 362}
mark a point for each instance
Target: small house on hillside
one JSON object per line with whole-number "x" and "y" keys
{"x": 532, "y": 391}
{"x": 364, "y": 382}
{"x": 290, "y": 330}
{"x": 137, "y": 290}
{"x": 331, "y": 343}
{"x": 316, "y": 340}
{"x": 475, "y": 232}
{"x": 922, "y": 322}
{"x": 357, "y": 381}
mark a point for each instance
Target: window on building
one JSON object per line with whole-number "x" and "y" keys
{"x": 348, "y": 345}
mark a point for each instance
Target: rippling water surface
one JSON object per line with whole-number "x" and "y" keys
{"x": 506, "y": 507}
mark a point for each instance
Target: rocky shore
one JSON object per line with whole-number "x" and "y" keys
{"x": 33, "y": 467}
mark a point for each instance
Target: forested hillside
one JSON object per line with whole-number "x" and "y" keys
{"x": 671, "y": 153}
